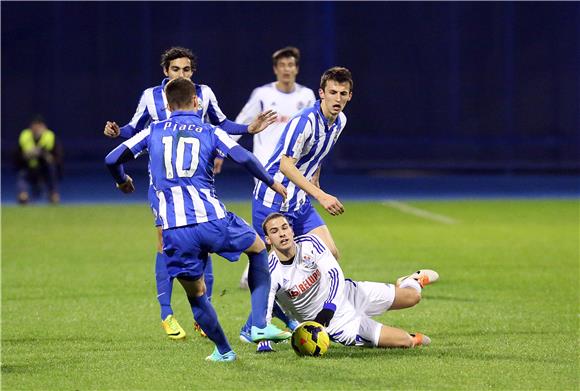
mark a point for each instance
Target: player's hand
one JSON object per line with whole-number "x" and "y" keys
{"x": 127, "y": 186}
{"x": 112, "y": 129}
{"x": 324, "y": 316}
{"x": 217, "y": 165}
{"x": 278, "y": 188}
{"x": 331, "y": 204}
{"x": 262, "y": 121}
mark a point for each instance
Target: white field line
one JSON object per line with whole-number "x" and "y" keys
{"x": 405, "y": 208}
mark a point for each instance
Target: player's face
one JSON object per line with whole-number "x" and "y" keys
{"x": 286, "y": 70}
{"x": 180, "y": 67}
{"x": 335, "y": 96}
{"x": 279, "y": 234}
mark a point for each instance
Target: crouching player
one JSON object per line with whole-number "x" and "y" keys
{"x": 309, "y": 284}
{"x": 195, "y": 223}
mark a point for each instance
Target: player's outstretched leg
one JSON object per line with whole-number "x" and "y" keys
{"x": 207, "y": 318}
{"x": 408, "y": 288}
{"x": 391, "y": 337}
{"x": 424, "y": 277}
{"x": 164, "y": 285}
{"x": 259, "y": 282}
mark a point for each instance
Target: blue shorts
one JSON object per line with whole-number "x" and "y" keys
{"x": 154, "y": 203}
{"x": 302, "y": 220}
{"x": 187, "y": 248}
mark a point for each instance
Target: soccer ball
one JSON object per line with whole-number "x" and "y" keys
{"x": 310, "y": 339}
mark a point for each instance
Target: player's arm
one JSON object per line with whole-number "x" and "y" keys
{"x": 330, "y": 270}
{"x": 275, "y": 283}
{"x": 328, "y": 201}
{"x": 250, "y": 111}
{"x": 140, "y": 121}
{"x": 125, "y": 152}
{"x": 240, "y": 155}
{"x": 218, "y": 118}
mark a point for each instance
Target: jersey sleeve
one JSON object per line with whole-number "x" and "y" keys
{"x": 275, "y": 284}
{"x": 214, "y": 113}
{"x": 141, "y": 119}
{"x": 251, "y": 109}
{"x": 223, "y": 143}
{"x": 330, "y": 269}
{"x": 139, "y": 143}
{"x": 298, "y": 130}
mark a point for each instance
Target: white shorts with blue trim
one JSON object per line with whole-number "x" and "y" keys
{"x": 355, "y": 327}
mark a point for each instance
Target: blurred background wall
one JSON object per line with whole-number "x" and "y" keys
{"x": 492, "y": 87}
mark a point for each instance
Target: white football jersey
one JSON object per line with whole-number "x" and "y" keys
{"x": 268, "y": 97}
{"x": 312, "y": 280}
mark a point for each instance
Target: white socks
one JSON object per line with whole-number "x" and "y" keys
{"x": 410, "y": 283}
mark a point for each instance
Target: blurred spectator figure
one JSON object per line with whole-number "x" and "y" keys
{"x": 38, "y": 162}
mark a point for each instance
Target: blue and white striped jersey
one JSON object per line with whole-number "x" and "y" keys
{"x": 308, "y": 139}
{"x": 152, "y": 107}
{"x": 312, "y": 281}
{"x": 181, "y": 154}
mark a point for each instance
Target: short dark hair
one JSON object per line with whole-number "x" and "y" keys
{"x": 288, "y": 51}
{"x": 179, "y": 92}
{"x": 269, "y": 218}
{"x": 338, "y": 74}
{"x": 178, "y": 52}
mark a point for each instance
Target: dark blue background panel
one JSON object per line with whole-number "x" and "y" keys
{"x": 490, "y": 85}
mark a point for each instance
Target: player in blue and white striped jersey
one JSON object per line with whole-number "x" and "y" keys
{"x": 195, "y": 223}
{"x": 152, "y": 107}
{"x": 309, "y": 284}
{"x": 296, "y": 162}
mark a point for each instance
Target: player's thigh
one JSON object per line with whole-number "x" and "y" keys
{"x": 373, "y": 298}
{"x": 184, "y": 255}
{"x": 230, "y": 236}
{"x": 324, "y": 233}
{"x": 405, "y": 298}
{"x": 392, "y": 337}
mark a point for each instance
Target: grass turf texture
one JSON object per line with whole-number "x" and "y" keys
{"x": 79, "y": 308}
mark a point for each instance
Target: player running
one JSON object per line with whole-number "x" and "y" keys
{"x": 308, "y": 283}
{"x": 179, "y": 62}
{"x": 284, "y": 96}
{"x": 195, "y": 223}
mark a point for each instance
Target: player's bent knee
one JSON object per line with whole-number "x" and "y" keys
{"x": 257, "y": 247}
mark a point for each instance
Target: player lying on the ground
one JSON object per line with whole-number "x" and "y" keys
{"x": 309, "y": 284}
{"x": 195, "y": 223}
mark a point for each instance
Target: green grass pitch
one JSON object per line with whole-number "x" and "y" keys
{"x": 79, "y": 309}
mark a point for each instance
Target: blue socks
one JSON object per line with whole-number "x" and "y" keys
{"x": 205, "y": 315}
{"x": 208, "y": 277}
{"x": 259, "y": 282}
{"x": 276, "y": 312}
{"x": 164, "y": 286}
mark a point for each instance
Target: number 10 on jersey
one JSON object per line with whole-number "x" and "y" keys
{"x": 180, "y": 158}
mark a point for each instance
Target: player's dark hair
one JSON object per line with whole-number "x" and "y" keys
{"x": 338, "y": 74}
{"x": 288, "y": 51}
{"x": 269, "y": 218}
{"x": 179, "y": 92}
{"x": 175, "y": 53}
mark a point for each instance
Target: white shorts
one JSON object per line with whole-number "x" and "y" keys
{"x": 355, "y": 326}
